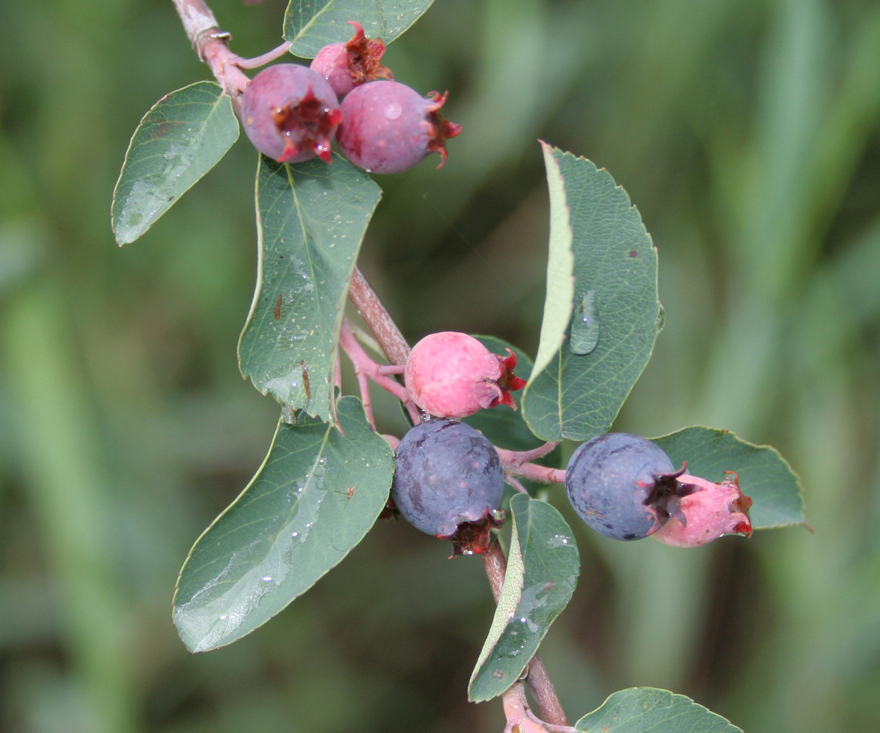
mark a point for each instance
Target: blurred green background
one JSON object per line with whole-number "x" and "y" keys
{"x": 747, "y": 133}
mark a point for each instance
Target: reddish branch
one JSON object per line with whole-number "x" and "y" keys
{"x": 211, "y": 44}
{"x": 377, "y": 318}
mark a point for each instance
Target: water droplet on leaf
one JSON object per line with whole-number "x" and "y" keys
{"x": 584, "y": 325}
{"x": 661, "y": 318}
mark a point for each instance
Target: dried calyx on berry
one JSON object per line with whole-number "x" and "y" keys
{"x": 451, "y": 374}
{"x": 388, "y": 127}
{"x": 290, "y": 113}
{"x": 709, "y": 511}
{"x": 350, "y": 64}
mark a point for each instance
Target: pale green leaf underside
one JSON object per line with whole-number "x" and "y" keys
{"x": 312, "y": 24}
{"x": 578, "y": 395}
{"x": 542, "y": 572}
{"x": 646, "y": 709}
{"x": 315, "y": 497}
{"x": 178, "y": 141}
{"x": 559, "y": 297}
{"x": 311, "y": 219}
{"x": 764, "y": 475}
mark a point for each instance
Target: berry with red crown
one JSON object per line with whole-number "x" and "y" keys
{"x": 350, "y": 64}
{"x": 290, "y": 113}
{"x": 709, "y": 512}
{"x": 451, "y": 374}
{"x": 388, "y": 127}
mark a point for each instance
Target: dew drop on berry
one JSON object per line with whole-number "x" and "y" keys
{"x": 392, "y": 111}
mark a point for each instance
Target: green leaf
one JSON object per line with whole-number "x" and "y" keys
{"x": 642, "y": 709}
{"x": 764, "y": 476}
{"x": 613, "y": 305}
{"x": 315, "y": 497}
{"x": 542, "y": 572}
{"x": 310, "y": 25}
{"x": 181, "y": 138}
{"x": 311, "y": 219}
{"x": 503, "y": 425}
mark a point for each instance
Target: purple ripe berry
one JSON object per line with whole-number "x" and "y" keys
{"x": 350, "y": 64}
{"x": 620, "y": 485}
{"x": 290, "y": 113}
{"x": 388, "y": 127}
{"x": 447, "y": 474}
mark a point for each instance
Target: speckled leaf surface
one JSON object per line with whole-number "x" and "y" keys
{"x": 317, "y": 494}
{"x": 646, "y": 709}
{"x": 311, "y": 219}
{"x": 764, "y": 476}
{"x": 542, "y": 571}
{"x": 312, "y": 24}
{"x": 577, "y": 392}
{"x": 178, "y": 141}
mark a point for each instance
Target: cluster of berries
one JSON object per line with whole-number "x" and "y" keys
{"x": 449, "y": 480}
{"x": 292, "y": 113}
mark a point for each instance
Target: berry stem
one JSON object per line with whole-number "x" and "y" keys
{"x": 516, "y": 463}
{"x": 365, "y": 367}
{"x": 539, "y": 681}
{"x": 258, "y": 61}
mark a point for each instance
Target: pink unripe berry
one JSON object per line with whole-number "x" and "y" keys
{"x": 451, "y": 374}
{"x": 347, "y": 65}
{"x": 388, "y": 127}
{"x": 290, "y": 113}
{"x": 710, "y": 511}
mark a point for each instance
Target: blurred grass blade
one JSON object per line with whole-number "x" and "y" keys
{"x": 578, "y": 395}
{"x": 178, "y": 141}
{"x": 310, "y": 25}
{"x": 542, "y": 572}
{"x": 642, "y": 709}
{"x": 317, "y": 494}
{"x": 764, "y": 475}
{"x": 311, "y": 219}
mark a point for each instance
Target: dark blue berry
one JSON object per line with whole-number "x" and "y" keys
{"x": 620, "y": 485}
{"x": 447, "y": 474}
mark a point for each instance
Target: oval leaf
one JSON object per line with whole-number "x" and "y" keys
{"x": 542, "y": 572}
{"x": 577, "y": 392}
{"x": 311, "y": 219}
{"x": 641, "y": 709}
{"x": 310, "y": 25}
{"x": 181, "y": 138}
{"x": 315, "y": 497}
{"x": 764, "y": 476}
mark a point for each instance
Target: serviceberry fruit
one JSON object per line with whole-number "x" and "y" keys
{"x": 388, "y": 127}
{"x": 290, "y": 113}
{"x": 451, "y": 374}
{"x": 623, "y": 486}
{"x": 712, "y": 510}
{"x": 350, "y": 64}
{"x": 448, "y": 480}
